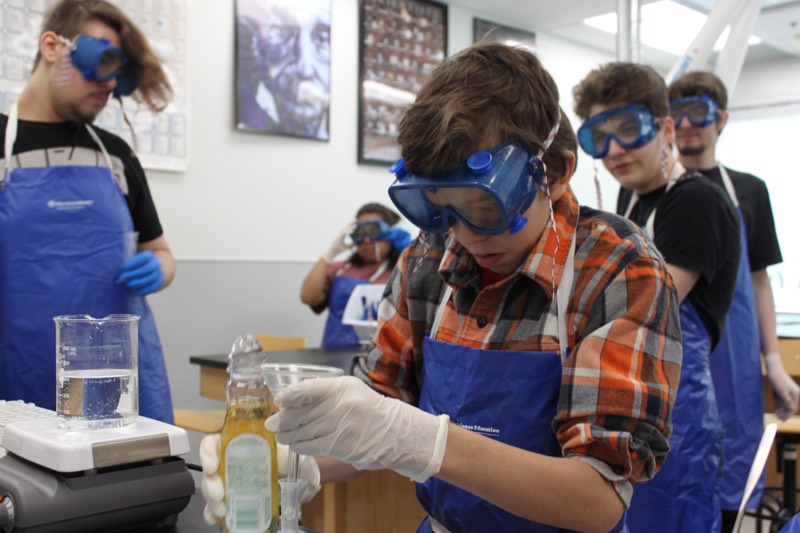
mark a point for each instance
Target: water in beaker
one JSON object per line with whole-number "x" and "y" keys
{"x": 96, "y": 371}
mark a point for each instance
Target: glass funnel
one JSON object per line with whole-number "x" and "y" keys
{"x": 278, "y": 376}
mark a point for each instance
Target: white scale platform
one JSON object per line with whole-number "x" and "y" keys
{"x": 42, "y": 442}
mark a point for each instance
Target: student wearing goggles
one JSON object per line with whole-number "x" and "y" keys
{"x": 98, "y": 60}
{"x": 695, "y": 229}
{"x": 480, "y": 325}
{"x": 700, "y": 111}
{"x": 79, "y": 62}
{"x": 374, "y": 242}
{"x": 376, "y": 230}
{"x": 706, "y": 117}
{"x": 631, "y": 126}
{"x": 736, "y": 363}
{"x": 488, "y": 193}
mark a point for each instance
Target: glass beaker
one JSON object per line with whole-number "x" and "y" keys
{"x": 278, "y": 376}
{"x": 97, "y": 371}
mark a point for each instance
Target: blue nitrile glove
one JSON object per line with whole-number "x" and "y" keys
{"x": 142, "y": 273}
{"x": 399, "y": 238}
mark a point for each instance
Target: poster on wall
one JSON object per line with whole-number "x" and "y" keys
{"x": 483, "y": 30}
{"x": 283, "y": 67}
{"x": 402, "y": 41}
{"x": 161, "y": 140}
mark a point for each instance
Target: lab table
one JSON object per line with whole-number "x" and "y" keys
{"x": 214, "y": 374}
{"x": 379, "y": 502}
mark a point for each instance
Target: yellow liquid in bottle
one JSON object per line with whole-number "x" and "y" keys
{"x": 249, "y": 469}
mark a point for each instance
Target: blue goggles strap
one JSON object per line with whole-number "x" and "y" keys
{"x": 98, "y": 60}
{"x": 377, "y": 230}
{"x": 630, "y": 126}
{"x": 701, "y": 111}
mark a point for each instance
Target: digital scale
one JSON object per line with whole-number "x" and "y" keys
{"x": 57, "y": 480}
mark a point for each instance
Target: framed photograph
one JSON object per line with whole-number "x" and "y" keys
{"x": 283, "y": 67}
{"x": 402, "y": 41}
{"x": 484, "y": 30}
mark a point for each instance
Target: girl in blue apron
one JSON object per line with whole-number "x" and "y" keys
{"x": 63, "y": 235}
{"x": 378, "y": 245}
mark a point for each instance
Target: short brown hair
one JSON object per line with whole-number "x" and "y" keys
{"x": 68, "y": 18}
{"x": 697, "y": 84}
{"x": 621, "y": 83}
{"x": 488, "y": 88}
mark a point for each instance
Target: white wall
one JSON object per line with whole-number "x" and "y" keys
{"x": 252, "y": 196}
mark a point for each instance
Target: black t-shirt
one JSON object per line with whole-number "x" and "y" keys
{"x": 41, "y": 144}
{"x": 697, "y": 228}
{"x": 763, "y": 249}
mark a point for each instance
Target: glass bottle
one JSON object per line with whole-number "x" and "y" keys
{"x": 248, "y": 452}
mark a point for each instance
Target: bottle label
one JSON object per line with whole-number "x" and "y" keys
{"x": 248, "y": 496}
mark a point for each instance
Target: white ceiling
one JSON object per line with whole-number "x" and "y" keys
{"x": 778, "y": 24}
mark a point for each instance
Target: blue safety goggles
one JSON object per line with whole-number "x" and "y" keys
{"x": 98, "y": 60}
{"x": 631, "y": 126}
{"x": 701, "y": 110}
{"x": 488, "y": 193}
{"x": 377, "y": 230}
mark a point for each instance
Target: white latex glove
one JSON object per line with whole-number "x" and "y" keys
{"x": 786, "y": 389}
{"x": 345, "y": 418}
{"x": 340, "y": 243}
{"x": 214, "y": 490}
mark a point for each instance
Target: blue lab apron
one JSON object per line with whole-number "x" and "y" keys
{"x": 336, "y": 333}
{"x": 683, "y": 496}
{"x": 792, "y": 526}
{"x": 506, "y": 395}
{"x": 62, "y": 231}
{"x": 736, "y": 371}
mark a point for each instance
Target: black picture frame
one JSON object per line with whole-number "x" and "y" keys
{"x": 485, "y": 30}
{"x": 282, "y": 67}
{"x": 401, "y": 42}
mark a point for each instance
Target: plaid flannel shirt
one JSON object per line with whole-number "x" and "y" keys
{"x": 619, "y": 379}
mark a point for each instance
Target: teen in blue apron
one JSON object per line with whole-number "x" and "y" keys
{"x": 684, "y": 497}
{"x": 517, "y": 399}
{"x": 62, "y": 246}
{"x": 337, "y": 333}
{"x": 736, "y": 371}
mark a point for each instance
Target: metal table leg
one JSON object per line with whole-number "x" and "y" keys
{"x": 789, "y": 477}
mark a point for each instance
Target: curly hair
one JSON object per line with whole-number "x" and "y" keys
{"x": 68, "y": 18}
{"x": 621, "y": 83}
